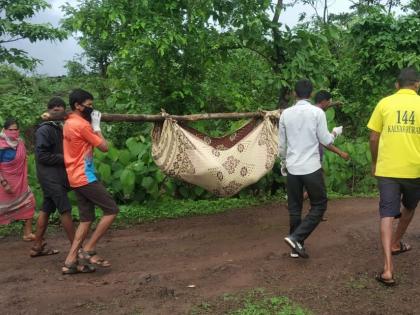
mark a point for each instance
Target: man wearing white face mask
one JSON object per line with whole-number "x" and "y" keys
{"x": 82, "y": 133}
{"x": 16, "y": 199}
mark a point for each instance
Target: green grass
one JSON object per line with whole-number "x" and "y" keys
{"x": 153, "y": 211}
{"x": 254, "y": 302}
{"x": 278, "y": 305}
{"x": 171, "y": 209}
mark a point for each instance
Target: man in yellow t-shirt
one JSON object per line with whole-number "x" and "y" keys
{"x": 395, "y": 150}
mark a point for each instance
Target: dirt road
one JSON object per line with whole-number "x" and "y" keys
{"x": 169, "y": 267}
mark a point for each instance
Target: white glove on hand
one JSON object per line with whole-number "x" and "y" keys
{"x": 96, "y": 120}
{"x": 283, "y": 169}
{"x": 337, "y": 131}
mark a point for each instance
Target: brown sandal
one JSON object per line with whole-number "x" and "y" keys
{"x": 404, "y": 247}
{"x": 42, "y": 251}
{"x": 73, "y": 268}
{"x": 87, "y": 256}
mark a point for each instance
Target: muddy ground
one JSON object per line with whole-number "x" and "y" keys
{"x": 179, "y": 266}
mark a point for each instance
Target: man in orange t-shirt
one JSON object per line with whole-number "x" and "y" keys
{"x": 82, "y": 133}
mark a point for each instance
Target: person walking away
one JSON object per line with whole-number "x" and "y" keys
{"x": 395, "y": 150}
{"x": 17, "y": 201}
{"x": 323, "y": 100}
{"x": 301, "y": 128}
{"x": 52, "y": 177}
{"x": 82, "y": 133}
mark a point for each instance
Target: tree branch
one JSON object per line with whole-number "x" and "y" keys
{"x": 276, "y": 35}
{"x": 10, "y": 40}
{"x": 267, "y": 58}
{"x": 154, "y": 118}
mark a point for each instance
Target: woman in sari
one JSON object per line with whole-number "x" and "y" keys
{"x": 16, "y": 199}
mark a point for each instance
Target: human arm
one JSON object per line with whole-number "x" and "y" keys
{"x": 103, "y": 146}
{"x": 92, "y": 133}
{"x": 374, "y": 145}
{"x": 44, "y": 147}
{"x": 3, "y": 182}
{"x": 324, "y": 136}
{"x": 334, "y": 149}
{"x": 375, "y": 125}
{"x": 282, "y": 146}
{"x": 282, "y": 138}
{"x": 96, "y": 126}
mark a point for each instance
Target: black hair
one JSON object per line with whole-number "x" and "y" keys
{"x": 407, "y": 77}
{"x": 303, "y": 88}
{"x": 79, "y": 96}
{"x": 10, "y": 121}
{"x": 322, "y": 95}
{"x": 56, "y": 101}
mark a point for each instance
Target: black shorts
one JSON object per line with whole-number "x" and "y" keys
{"x": 394, "y": 191}
{"x": 91, "y": 195}
{"x": 59, "y": 201}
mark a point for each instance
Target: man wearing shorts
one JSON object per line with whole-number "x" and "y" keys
{"x": 395, "y": 150}
{"x": 52, "y": 177}
{"x": 82, "y": 133}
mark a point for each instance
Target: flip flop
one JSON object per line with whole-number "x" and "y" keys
{"x": 404, "y": 247}
{"x": 386, "y": 282}
{"x": 43, "y": 251}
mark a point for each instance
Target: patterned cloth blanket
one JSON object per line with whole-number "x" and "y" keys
{"x": 222, "y": 166}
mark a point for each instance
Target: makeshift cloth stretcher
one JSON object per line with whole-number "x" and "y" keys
{"x": 223, "y": 165}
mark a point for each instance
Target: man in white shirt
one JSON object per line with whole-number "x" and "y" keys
{"x": 302, "y": 128}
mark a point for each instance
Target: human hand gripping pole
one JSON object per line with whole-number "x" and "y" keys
{"x": 96, "y": 120}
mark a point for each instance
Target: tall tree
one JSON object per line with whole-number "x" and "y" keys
{"x": 14, "y": 26}
{"x": 162, "y": 51}
{"x": 95, "y": 31}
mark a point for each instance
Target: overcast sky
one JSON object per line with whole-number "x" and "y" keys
{"x": 55, "y": 54}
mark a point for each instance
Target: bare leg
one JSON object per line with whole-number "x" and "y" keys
{"x": 100, "y": 230}
{"x": 90, "y": 245}
{"x": 67, "y": 222}
{"x": 81, "y": 234}
{"x": 27, "y": 230}
{"x": 386, "y": 238}
{"x": 41, "y": 227}
{"x": 405, "y": 219}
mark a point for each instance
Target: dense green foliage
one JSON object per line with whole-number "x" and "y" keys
{"x": 215, "y": 56}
